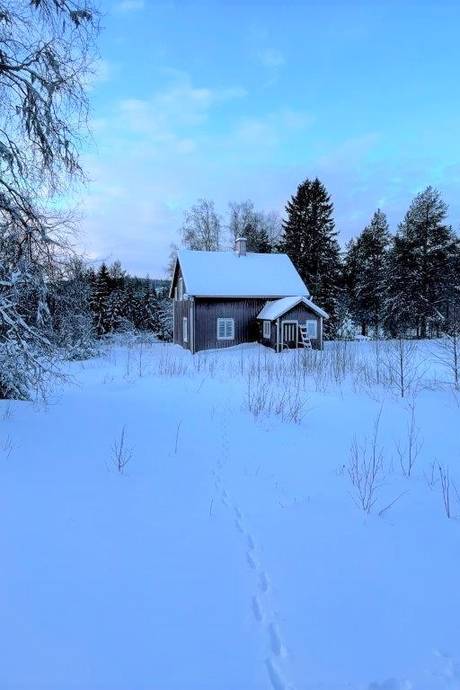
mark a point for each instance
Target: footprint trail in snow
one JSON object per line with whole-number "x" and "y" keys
{"x": 261, "y": 605}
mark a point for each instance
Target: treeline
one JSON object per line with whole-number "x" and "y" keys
{"x": 86, "y": 304}
{"x": 384, "y": 284}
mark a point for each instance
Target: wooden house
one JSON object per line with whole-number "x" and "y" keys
{"x": 222, "y": 299}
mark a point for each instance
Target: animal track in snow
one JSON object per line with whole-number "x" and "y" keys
{"x": 256, "y": 609}
{"x": 250, "y": 559}
{"x": 262, "y": 609}
{"x": 275, "y": 640}
{"x": 275, "y": 676}
{"x": 263, "y": 582}
{"x": 239, "y": 526}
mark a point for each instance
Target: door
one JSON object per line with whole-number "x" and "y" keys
{"x": 290, "y": 333}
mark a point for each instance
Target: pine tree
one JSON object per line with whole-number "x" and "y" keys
{"x": 117, "y": 276}
{"x": 257, "y": 238}
{"x": 423, "y": 249}
{"x": 366, "y": 268}
{"x": 114, "y": 313}
{"x": 165, "y": 315}
{"x": 151, "y": 311}
{"x": 99, "y": 300}
{"x": 310, "y": 239}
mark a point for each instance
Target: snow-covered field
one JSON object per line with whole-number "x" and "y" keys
{"x": 232, "y": 552}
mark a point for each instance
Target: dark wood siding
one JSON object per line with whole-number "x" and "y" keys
{"x": 182, "y": 308}
{"x": 268, "y": 342}
{"x": 243, "y": 311}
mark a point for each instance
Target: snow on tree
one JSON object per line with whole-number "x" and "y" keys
{"x": 71, "y": 314}
{"x": 151, "y": 311}
{"x": 310, "y": 239}
{"x": 165, "y": 316}
{"x": 366, "y": 271}
{"x": 99, "y": 300}
{"x": 45, "y": 54}
{"x": 421, "y": 267}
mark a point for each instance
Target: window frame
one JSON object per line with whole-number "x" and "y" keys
{"x": 266, "y": 329}
{"x": 185, "y": 329}
{"x": 315, "y": 322}
{"x": 226, "y": 320}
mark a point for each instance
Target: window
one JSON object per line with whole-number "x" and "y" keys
{"x": 185, "y": 329}
{"x": 180, "y": 291}
{"x": 267, "y": 329}
{"x": 312, "y": 328}
{"x": 225, "y": 329}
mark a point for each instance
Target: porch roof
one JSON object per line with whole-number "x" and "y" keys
{"x": 273, "y": 310}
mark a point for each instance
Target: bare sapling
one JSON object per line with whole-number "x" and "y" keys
{"x": 449, "y": 491}
{"x": 401, "y": 365}
{"x": 366, "y": 469}
{"x": 7, "y": 447}
{"x": 128, "y": 362}
{"x": 121, "y": 453}
{"x": 432, "y": 476}
{"x": 409, "y": 452}
{"x": 140, "y": 360}
{"x": 176, "y": 444}
{"x": 447, "y": 352}
{"x": 377, "y": 349}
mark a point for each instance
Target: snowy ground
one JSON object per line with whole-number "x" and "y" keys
{"x": 232, "y": 553}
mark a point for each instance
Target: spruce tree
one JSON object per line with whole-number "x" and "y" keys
{"x": 310, "y": 239}
{"x": 151, "y": 311}
{"x": 349, "y": 282}
{"x": 419, "y": 281}
{"x": 257, "y": 238}
{"x": 99, "y": 300}
{"x": 367, "y": 267}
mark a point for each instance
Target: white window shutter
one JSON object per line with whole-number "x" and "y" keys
{"x": 225, "y": 329}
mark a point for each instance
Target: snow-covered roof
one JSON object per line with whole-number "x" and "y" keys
{"x": 273, "y": 310}
{"x": 225, "y": 274}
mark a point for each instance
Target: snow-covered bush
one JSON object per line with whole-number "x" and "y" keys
{"x": 72, "y": 319}
{"x": 27, "y": 356}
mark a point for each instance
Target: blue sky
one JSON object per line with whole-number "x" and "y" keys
{"x": 244, "y": 99}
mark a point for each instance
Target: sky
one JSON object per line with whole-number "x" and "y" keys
{"x": 244, "y": 99}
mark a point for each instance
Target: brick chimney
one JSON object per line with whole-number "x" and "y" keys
{"x": 240, "y": 246}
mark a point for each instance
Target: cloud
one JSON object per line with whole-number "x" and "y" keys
{"x": 258, "y": 136}
{"x": 168, "y": 122}
{"x": 157, "y": 155}
{"x": 271, "y": 58}
{"x": 129, "y": 5}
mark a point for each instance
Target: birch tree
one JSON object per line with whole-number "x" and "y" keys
{"x": 46, "y": 49}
